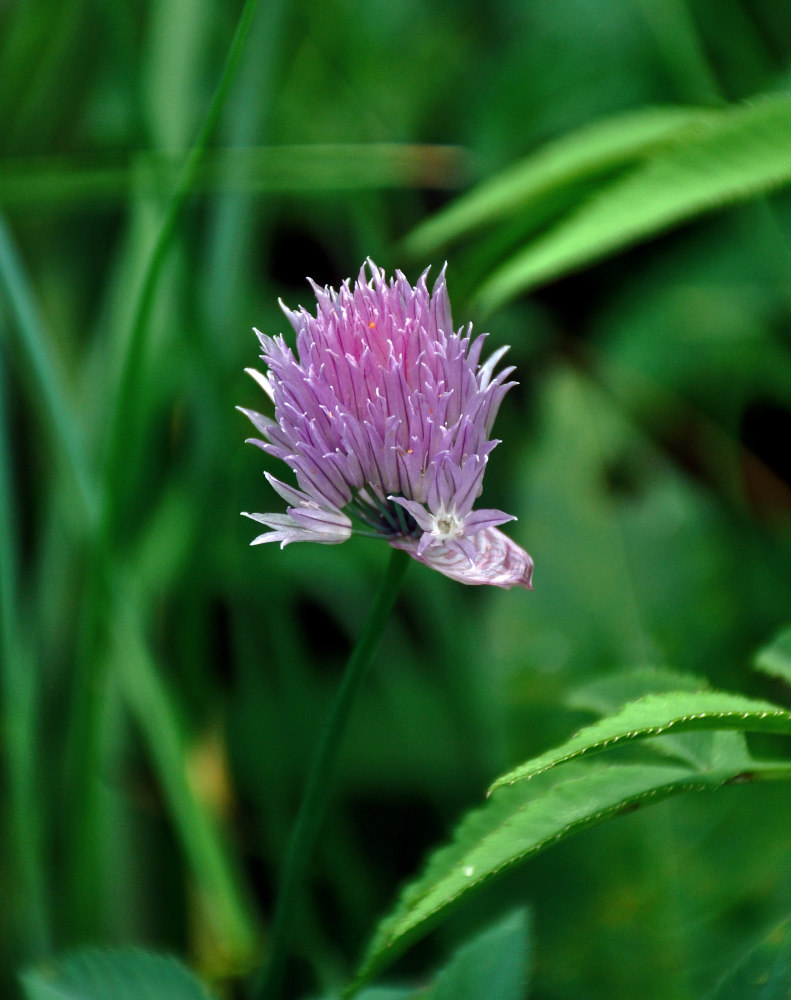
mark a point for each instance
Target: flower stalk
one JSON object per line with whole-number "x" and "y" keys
{"x": 384, "y": 415}
{"x": 315, "y": 798}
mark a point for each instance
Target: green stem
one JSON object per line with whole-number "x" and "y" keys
{"x": 678, "y": 41}
{"x": 19, "y": 724}
{"x": 316, "y": 796}
{"x": 126, "y": 404}
{"x": 201, "y": 843}
{"x": 88, "y": 711}
{"x": 228, "y": 907}
{"x": 49, "y": 389}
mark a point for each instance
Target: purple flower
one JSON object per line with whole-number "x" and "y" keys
{"x": 384, "y": 416}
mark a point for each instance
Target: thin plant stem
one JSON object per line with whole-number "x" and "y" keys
{"x": 677, "y": 39}
{"x": 315, "y": 798}
{"x": 229, "y": 908}
{"x": 100, "y": 517}
{"x": 92, "y": 657}
{"x": 134, "y": 358}
{"x": 20, "y": 724}
{"x": 34, "y": 343}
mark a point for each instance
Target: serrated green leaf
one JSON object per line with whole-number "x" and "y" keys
{"x": 514, "y": 825}
{"x": 123, "y": 974}
{"x": 586, "y": 155}
{"x": 496, "y": 963}
{"x": 764, "y": 973}
{"x": 739, "y": 153}
{"x": 657, "y": 714}
{"x": 775, "y": 659}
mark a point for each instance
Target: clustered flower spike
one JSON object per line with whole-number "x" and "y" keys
{"x": 384, "y": 416}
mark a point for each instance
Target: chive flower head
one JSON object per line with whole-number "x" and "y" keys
{"x": 384, "y": 415}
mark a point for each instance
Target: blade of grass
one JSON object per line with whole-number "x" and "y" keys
{"x": 134, "y": 359}
{"x": 253, "y": 169}
{"x": 18, "y": 683}
{"x": 97, "y": 620}
{"x": 18, "y": 699}
{"x": 49, "y": 388}
{"x": 677, "y": 39}
{"x": 232, "y": 225}
{"x": 92, "y": 664}
{"x": 209, "y": 859}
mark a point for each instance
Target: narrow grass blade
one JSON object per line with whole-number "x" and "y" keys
{"x": 207, "y": 856}
{"x": 35, "y": 344}
{"x": 91, "y": 668}
{"x": 18, "y": 698}
{"x": 254, "y": 170}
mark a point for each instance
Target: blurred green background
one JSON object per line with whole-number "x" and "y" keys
{"x": 163, "y": 683}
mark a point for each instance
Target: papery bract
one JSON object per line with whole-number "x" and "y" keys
{"x": 384, "y": 416}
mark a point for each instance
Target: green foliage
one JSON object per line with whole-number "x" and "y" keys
{"x": 545, "y": 184}
{"x": 112, "y": 975}
{"x": 763, "y": 973}
{"x": 740, "y": 153}
{"x": 520, "y": 821}
{"x": 654, "y": 715}
{"x": 595, "y": 192}
{"x": 775, "y": 658}
{"x": 495, "y": 963}
{"x": 609, "y": 181}
{"x": 263, "y": 170}
{"x": 515, "y": 827}
{"x": 387, "y": 993}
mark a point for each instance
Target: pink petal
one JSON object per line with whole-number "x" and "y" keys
{"x": 322, "y": 527}
{"x": 499, "y": 562}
